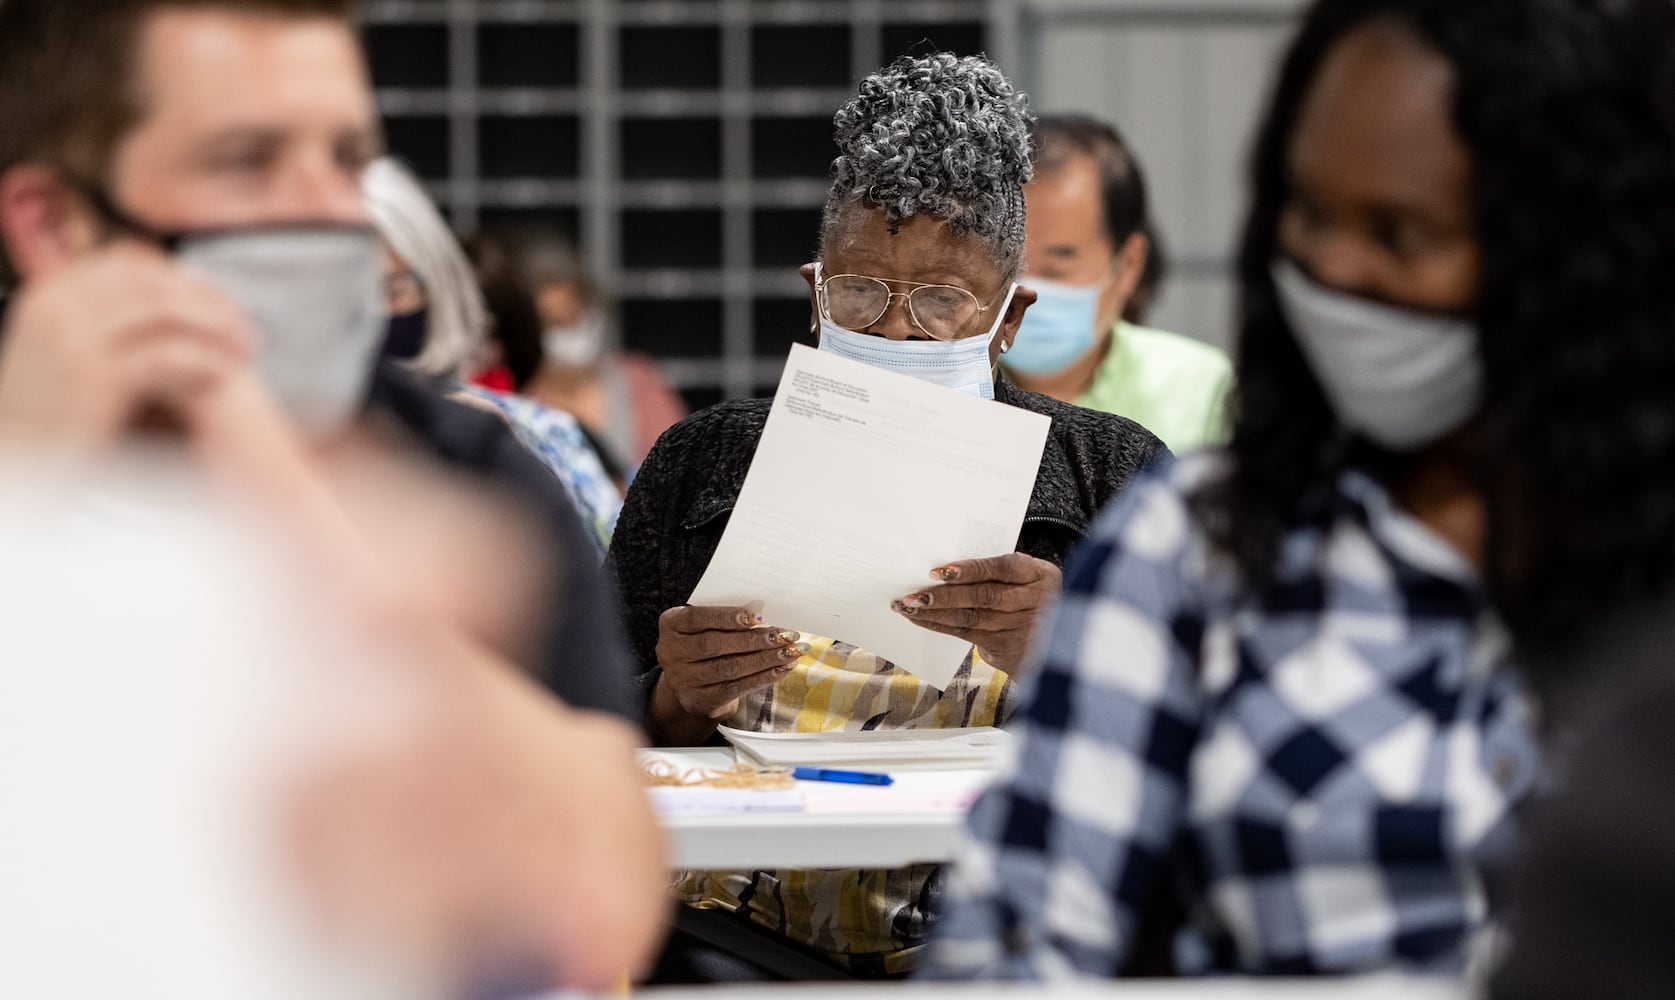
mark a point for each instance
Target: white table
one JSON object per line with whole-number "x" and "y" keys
{"x": 1370, "y": 988}
{"x": 847, "y": 826}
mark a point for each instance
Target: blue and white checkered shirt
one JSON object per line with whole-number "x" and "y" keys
{"x": 1320, "y": 772}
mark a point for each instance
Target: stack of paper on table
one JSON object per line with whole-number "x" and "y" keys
{"x": 916, "y": 820}
{"x": 689, "y": 800}
{"x": 976, "y": 748}
{"x": 918, "y": 792}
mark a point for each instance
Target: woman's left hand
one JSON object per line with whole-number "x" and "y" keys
{"x": 993, "y": 604}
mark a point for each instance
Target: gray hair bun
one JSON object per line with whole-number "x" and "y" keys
{"x": 943, "y": 135}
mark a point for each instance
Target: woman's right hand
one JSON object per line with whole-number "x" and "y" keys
{"x": 711, "y": 657}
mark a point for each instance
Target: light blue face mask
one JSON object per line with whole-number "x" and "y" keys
{"x": 955, "y": 364}
{"x": 1058, "y": 329}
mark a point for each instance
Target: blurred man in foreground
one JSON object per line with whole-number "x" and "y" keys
{"x": 226, "y": 775}
{"x": 179, "y": 197}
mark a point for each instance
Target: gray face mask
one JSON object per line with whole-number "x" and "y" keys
{"x": 314, "y": 294}
{"x": 1401, "y": 378}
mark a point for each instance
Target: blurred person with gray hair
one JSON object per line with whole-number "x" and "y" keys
{"x": 921, "y": 242}
{"x": 437, "y": 317}
{"x": 438, "y": 327}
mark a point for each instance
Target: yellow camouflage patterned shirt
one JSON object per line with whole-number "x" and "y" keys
{"x": 872, "y": 921}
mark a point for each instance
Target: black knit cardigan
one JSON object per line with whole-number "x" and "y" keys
{"x": 681, "y": 498}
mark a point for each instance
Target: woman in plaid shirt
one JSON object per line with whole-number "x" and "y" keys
{"x": 1274, "y": 714}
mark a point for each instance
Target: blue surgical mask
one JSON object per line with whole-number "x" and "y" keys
{"x": 954, "y": 364}
{"x": 1057, "y": 330}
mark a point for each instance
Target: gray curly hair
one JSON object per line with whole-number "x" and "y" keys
{"x": 940, "y": 134}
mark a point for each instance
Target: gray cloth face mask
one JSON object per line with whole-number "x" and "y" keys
{"x": 314, "y": 291}
{"x": 1402, "y": 378}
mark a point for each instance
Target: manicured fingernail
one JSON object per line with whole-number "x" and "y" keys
{"x": 789, "y": 653}
{"x": 803, "y": 648}
{"x": 919, "y": 600}
{"x": 905, "y": 609}
{"x": 785, "y": 638}
{"x": 747, "y": 619}
{"x": 946, "y": 573}
{"x": 782, "y": 671}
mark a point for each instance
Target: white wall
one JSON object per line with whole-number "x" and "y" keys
{"x": 1185, "y": 81}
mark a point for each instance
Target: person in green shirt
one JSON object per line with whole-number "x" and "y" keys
{"x": 1088, "y": 253}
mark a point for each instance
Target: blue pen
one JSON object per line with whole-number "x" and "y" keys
{"x": 844, "y": 777}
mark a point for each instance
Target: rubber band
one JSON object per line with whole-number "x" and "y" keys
{"x": 664, "y": 774}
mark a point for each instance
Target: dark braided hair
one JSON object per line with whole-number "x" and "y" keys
{"x": 1564, "y": 107}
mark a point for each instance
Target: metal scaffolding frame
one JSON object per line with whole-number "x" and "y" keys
{"x": 737, "y": 199}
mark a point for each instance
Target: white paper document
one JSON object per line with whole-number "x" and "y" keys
{"x": 704, "y": 801}
{"x": 863, "y": 482}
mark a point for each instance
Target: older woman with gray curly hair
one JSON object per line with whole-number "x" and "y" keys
{"x": 921, "y": 243}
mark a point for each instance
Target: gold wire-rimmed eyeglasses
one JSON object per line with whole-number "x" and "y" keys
{"x": 857, "y": 301}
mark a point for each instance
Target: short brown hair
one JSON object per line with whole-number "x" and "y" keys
{"x": 1122, "y": 187}
{"x": 67, "y": 66}
{"x": 1121, "y": 182}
